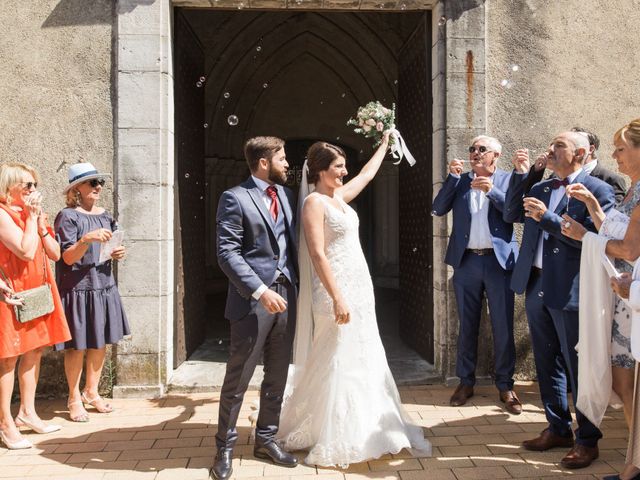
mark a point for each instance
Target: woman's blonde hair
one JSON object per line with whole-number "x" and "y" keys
{"x": 72, "y": 198}
{"x": 630, "y": 133}
{"x": 12, "y": 174}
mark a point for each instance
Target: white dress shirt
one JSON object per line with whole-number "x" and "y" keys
{"x": 479, "y": 233}
{"x": 554, "y": 200}
{"x": 589, "y": 167}
{"x": 262, "y": 185}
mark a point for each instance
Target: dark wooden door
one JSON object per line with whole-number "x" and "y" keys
{"x": 414, "y": 118}
{"x": 190, "y": 271}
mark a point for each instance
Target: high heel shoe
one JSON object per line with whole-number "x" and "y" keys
{"x": 23, "y": 422}
{"x": 19, "y": 445}
{"x": 82, "y": 418}
{"x": 94, "y": 402}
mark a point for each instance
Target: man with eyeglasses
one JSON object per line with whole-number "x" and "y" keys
{"x": 482, "y": 251}
{"x": 548, "y": 271}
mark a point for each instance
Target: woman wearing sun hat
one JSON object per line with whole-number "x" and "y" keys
{"x": 87, "y": 287}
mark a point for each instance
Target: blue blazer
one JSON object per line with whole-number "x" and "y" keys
{"x": 246, "y": 243}
{"x": 561, "y": 255}
{"x": 455, "y": 195}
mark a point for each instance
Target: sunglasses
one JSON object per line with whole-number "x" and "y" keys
{"x": 480, "y": 149}
{"x": 94, "y": 182}
{"x": 28, "y": 185}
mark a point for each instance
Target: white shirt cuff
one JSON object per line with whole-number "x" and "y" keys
{"x": 259, "y": 291}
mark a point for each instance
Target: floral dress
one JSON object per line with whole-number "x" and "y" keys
{"x": 621, "y": 328}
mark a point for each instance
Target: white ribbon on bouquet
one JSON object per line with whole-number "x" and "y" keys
{"x": 400, "y": 149}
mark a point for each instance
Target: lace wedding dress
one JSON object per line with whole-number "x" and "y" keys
{"x": 345, "y": 407}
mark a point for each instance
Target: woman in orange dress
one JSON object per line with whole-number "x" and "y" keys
{"x": 26, "y": 242}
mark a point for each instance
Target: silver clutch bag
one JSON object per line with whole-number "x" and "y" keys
{"x": 36, "y": 303}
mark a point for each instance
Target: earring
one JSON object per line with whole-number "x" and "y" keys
{"x": 78, "y": 197}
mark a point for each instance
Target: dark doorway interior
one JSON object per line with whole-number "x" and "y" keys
{"x": 301, "y": 76}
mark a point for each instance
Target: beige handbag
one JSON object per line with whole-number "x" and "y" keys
{"x": 36, "y": 301}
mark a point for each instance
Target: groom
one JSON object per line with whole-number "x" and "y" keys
{"x": 256, "y": 248}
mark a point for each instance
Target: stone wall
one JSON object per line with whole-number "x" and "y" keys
{"x": 56, "y": 100}
{"x": 576, "y": 64}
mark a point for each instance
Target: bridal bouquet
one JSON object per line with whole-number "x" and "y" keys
{"x": 373, "y": 120}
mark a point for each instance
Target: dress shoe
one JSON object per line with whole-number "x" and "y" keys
{"x": 511, "y": 402}
{"x": 461, "y": 395}
{"x": 579, "y": 456}
{"x": 546, "y": 440}
{"x": 272, "y": 451}
{"x": 222, "y": 469}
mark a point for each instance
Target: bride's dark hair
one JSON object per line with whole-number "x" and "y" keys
{"x": 319, "y": 158}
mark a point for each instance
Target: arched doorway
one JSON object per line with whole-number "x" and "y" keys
{"x": 300, "y": 76}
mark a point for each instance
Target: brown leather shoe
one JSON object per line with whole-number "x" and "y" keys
{"x": 461, "y": 395}
{"x": 546, "y": 440}
{"x": 580, "y": 456}
{"x": 511, "y": 402}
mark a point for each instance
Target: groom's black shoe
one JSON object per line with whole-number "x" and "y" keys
{"x": 221, "y": 469}
{"x": 271, "y": 451}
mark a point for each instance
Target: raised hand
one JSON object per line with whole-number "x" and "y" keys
{"x": 520, "y": 160}
{"x": 99, "y": 235}
{"x": 534, "y": 208}
{"x": 33, "y": 203}
{"x": 482, "y": 183}
{"x": 455, "y": 167}
{"x": 580, "y": 192}
{"x": 541, "y": 162}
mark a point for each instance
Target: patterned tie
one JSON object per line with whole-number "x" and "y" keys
{"x": 273, "y": 194}
{"x": 557, "y": 183}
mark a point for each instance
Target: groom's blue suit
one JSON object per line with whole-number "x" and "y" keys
{"x": 254, "y": 250}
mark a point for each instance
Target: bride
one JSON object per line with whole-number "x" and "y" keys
{"x": 341, "y": 404}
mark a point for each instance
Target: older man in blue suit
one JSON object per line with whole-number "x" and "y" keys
{"x": 257, "y": 248}
{"x": 482, "y": 251}
{"x": 548, "y": 271}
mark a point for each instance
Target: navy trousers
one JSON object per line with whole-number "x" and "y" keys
{"x": 476, "y": 275}
{"x": 260, "y": 332}
{"x": 554, "y": 335}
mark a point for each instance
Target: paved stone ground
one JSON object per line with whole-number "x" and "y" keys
{"x": 172, "y": 438}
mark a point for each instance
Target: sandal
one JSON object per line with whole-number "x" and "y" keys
{"x": 96, "y": 402}
{"x": 82, "y": 418}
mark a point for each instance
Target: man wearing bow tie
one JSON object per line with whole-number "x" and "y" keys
{"x": 482, "y": 251}
{"x": 548, "y": 271}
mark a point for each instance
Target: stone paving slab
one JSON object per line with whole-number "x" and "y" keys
{"x": 172, "y": 438}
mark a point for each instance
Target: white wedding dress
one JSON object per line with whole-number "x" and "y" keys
{"x": 344, "y": 407}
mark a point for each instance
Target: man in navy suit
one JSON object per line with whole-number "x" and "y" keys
{"x": 482, "y": 251}
{"x": 548, "y": 271}
{"x": 256, "y": 247}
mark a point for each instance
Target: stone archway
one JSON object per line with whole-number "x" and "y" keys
{"x": 145, "y": 174}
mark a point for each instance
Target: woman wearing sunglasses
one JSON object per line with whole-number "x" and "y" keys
{"x": 26, "y": 244}
{"x": 87, "y": 288}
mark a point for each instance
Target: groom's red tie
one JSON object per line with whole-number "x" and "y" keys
{"x": 273, "y": 194}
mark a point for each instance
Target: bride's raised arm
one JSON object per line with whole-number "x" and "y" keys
{"x": 313, "y": 224}
{"x": 353, "y": 187}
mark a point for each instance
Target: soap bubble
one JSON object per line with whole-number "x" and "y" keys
{"x": 395, "y": 82}
{"x": 232, "y": 120}
{"x": 226, "y": 95}
{"x": 240, "y": 6}
{"x": 403, "y": 6}
{"x": 265, "y": 85}
{"x": 201, "y": 197}
{"x": 203, "y": 79}
{"x": 258, "y": 48}
{"x": 198, "y": 84}
{"x": 515, "y": 68}
{"x": 337, "y": 138}
{"x": 506, "y": 83}
{"x": 206, "y": 125}
{"x": 186, "y": 175}
{"x": 442, "y": 22}
{"x": 415, "y": 249}
{"x": 343, "y": 95}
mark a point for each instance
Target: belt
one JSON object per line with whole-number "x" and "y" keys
{"x": 281, "y": 279}
{"x": 481, "y": 251}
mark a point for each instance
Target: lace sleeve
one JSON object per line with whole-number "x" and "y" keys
{"x": 615, "y": 225}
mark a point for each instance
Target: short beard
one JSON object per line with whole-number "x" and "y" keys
{"x": 277, "y": 177}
